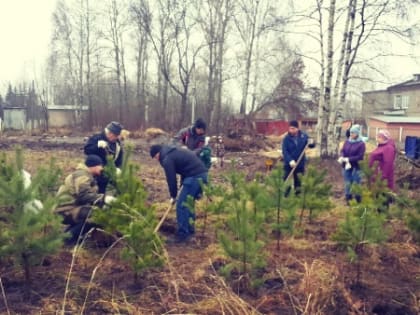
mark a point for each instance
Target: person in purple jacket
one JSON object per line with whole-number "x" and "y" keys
{"x": 352, "y": 152}
{"x": 383, "y": 157}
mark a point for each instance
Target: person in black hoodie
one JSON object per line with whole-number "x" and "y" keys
{"x": 106, "y": 144}
{"x": 184, "y": 162}
{"x": 193, "y": 137}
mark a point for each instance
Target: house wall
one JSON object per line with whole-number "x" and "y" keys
{"x": 14, "y": 118}
{"x": 414, "y": 99}
{"x": 398, "y": 131}
{"x": 375, "y": 101}
{"x": 64, "y": 118}
{"x": 275, "y": 127}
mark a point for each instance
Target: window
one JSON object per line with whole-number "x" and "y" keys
{"x": 401, "y": 101}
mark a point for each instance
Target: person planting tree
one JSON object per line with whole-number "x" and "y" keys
{"x": 79, "y": 194}
{"x": 193, "y": 172}
{"x": 293, "y": 147}
{"x": 105, "y": 144}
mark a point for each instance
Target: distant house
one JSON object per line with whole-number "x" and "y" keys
{"x": 14, "y": 118}
{"x": 399, "y": 99}
{"x": 398, "y": 126}
{"x": 396, "y": 108}
{"x": 66, "y": 115}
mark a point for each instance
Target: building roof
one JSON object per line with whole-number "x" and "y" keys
{"x": 397, "y": 119}
{"x": 415, "y": 81}
{"x": 67, "y": 107}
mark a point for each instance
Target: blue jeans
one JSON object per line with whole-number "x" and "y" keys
{"x": 184, "y": 216}
{"x": 351, "y": 176}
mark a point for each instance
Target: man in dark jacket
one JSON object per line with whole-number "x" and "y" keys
{"x": 106, "y": 144}
{"x": 293, "y": 146}
{"x": 193, "y": 137}
{"x": 192, "y": 171}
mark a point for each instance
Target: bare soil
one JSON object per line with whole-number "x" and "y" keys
{"x": 307, "y": 274}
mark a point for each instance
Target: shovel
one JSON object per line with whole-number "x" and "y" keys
{"x": 163, "y": 218}
{"x": 297, "y": 163}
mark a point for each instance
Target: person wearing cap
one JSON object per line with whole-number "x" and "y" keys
{"x": 78, "y": 194}
{"x": 175, "y": 161}
{"x": 383, "y": 157}
{"x": 193, "y": 137}
{"x": 294, "y": 144}
{"x": 351, "y": 154}
{"x": 104, "y": 144}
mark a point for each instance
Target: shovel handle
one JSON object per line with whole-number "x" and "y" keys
{"x": 163, "y": 219}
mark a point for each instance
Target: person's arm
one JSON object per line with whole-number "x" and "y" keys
{"x": 180, "y": 137}
{"x": 359, "y": 155}
{"x": 85, "y": 192}
{"x": 91, "y": 146}
{"x": 286, "y": 154}
{"x": 170, "y": 174}
{"x": 120, "y": 157}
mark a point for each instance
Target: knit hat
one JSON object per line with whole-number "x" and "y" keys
{"x": 155, "y": 149}
{"x": 355, "y": 129}
{"x": 384, "y": 134}
{"x": 200, "y": 124}
{"x": 93, "y": 160}
{"x": 294, "y": 123}
{"x": 114, "y": 127}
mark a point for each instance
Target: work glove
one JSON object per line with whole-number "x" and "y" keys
{"x": 340, "y": 160}
{"x": 346, "y": 160}
{"x": 109, "y": 199}
{"x": 292, "y": 163}
{"x": 172, "y": 201}
{"x": 118, "y": 171}
{"x": 102, "y": 144}
{"x": 347, "y": 166}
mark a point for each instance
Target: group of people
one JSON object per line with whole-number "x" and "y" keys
{"x": 381, "y": 158}
{"x": 86, "y": 186}
{"x": 352, "y": 153}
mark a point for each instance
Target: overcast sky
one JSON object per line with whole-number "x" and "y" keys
{"x": 25, "y": 30}
{"x": 25, "y": 27}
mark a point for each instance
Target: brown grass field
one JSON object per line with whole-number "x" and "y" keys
{"x": 309, "y": 274}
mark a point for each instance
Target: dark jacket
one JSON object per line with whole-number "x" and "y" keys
{"x": 384, "y": 155}
{"x": 292, "y": 148}
{"x": 179, "y": 161}
{"x": 189, "y": 138}
{"x": 114, "y": 149}
{"x": 355, "y": 151}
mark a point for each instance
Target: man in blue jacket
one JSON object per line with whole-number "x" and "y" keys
{"x": 184, "y": 162}
{"x": 293, "y": 146}
{"x": 106, "y": 144}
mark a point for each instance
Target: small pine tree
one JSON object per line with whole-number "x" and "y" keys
{"x": 363, "y": 225}
{"x": 285, "y": 206}
{"x": 131, "y": 216}
{"x": 29, "y": 228}
{"x": 314, "y": 193}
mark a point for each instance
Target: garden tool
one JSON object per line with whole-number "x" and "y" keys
{"x": 163, "y": 217}
{"x": 297, "y": 163}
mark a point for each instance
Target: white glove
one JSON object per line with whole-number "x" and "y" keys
{"x": 109, "y": 199}
{"x": 292, "y": 163}
{"x": 118, "y": 171}
{"x": 347, "y": 166}
{"x": 340, "y": 160}
{"x": 346, "y": 160}
{"x": 102, "y": 144}
{"x": 172, "y": 201}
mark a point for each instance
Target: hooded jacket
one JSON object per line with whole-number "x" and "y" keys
{"x": 188, "y": 137}
{"x": 384, "y": 156}
{"x": 355, "y": 151}
{"x": 179, "y": 161}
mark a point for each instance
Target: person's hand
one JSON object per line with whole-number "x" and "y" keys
{"x": 172, "y": 201}
{"x": 109, "y": 199}
{"x": 347, "y": 166}
{"x": 346, "y": 160}
{"x": 292, "y": 163}
{"x": 102, "y": 144}
{"x": 340, "y": 160}
{"x": 118, "y": 171}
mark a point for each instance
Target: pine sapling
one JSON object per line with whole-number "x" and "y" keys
{"x": 314, "y": 193}
{"x": 285, "y": 206}
{"x": 29, "y": 228}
